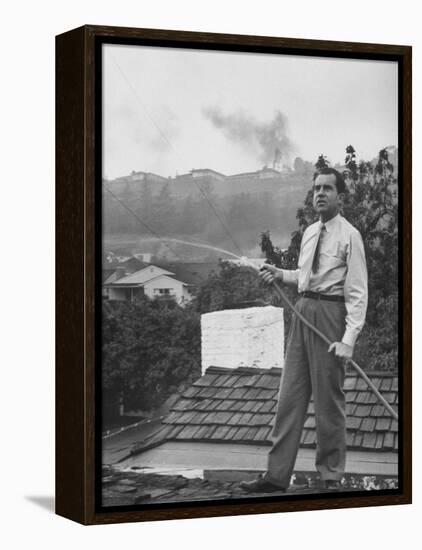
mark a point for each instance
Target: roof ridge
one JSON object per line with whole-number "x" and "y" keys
{"x": 374, "y": 374}
{"x": 242, "y": 370}
{"x": 276, "y": 371}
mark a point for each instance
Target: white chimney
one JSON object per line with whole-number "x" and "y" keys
{"x": 252, "y": 337}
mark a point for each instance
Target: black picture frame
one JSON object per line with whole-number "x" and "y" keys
{"x": 78, "y": 253}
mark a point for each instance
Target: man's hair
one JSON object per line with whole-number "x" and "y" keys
{"x": 341, "y": 186}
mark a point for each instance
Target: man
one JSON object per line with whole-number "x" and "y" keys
{"x": 332, "y": 283}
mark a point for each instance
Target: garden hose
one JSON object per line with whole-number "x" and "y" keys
{"x": 357, "y": 368}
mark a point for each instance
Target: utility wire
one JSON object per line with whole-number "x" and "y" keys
{"x": 148, "y": 228}
{"x": 135, "y": 93}
{"x": 218, "y": 217}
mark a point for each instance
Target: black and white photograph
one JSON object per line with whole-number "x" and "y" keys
{"x": 250, "y": 285}
{"x": 210, "y": 275}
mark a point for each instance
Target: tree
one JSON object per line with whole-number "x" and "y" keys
{"x": 189, "y": 221}
{"x": 228, "y": 288}
{"x": 321, "y": 162}
{"x": 149, "y": 348}
{"x": 299, "y": 165}
{"x": 164, "y": 211}
{"x": 302, "y": 167}
{"x": 145, "y": 204}
{"x": 241, "y": 211}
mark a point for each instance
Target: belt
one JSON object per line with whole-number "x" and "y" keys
{"x": 318, "y": 296}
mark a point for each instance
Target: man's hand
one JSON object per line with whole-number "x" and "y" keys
{"x": 342, "y": 351}
{"x": 269, "y": 273}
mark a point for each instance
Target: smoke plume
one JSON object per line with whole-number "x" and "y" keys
{"x": 267, "y": 140}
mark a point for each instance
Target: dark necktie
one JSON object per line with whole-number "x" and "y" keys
{"x": 315, "y": 261}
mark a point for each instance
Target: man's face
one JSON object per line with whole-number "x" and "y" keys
{"x": 326, "y": 197}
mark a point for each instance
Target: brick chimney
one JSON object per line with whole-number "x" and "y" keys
{"x": 252, "y": 337}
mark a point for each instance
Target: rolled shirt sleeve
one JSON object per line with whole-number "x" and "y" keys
{"x": 290, "y": 276}
{"x": 355, "y": 289}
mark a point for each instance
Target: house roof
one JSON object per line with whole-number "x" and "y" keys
{"x": 141, "y": 277}
{"x": 129, "y": 266}
{"x": 239, "y": 405}
{"x": 133, "y": 264}
{"x": 192, "y": 273}
{"x": 256, "y": 173}
{"x": 207, "y": 171}
{"x": 164, "y": 277}
{"x": 108, "y": 274}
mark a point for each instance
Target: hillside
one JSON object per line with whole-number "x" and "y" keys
{"x": 225, "y": 211}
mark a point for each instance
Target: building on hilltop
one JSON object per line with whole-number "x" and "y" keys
{"x": 136, "y": 182}
{"x": 265, "y": 173}
{"x": 208, "y": 173}
{"x": 147, "y": 177}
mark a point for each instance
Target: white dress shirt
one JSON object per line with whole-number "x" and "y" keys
{"x": 341, "y": 270}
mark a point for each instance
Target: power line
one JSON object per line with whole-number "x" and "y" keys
{"x": 135, "y": 93}
{"x": 148, "y": 228}
{"x": 218, "y": 217}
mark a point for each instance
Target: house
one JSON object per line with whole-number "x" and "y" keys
{"x": 111, "y": 276}
{"x": 139, "y": 176}
{"x": 223, "y": 421}
{"x": 114, "y": 270}
{"x": 151, "y": 281}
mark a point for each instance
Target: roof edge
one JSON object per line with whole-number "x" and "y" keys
{"x": 277, "y": 370}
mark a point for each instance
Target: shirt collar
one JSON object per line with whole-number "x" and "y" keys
{"x": 331, "y": 223}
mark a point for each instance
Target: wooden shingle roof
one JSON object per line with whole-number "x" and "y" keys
{"x": 239, "y": 405}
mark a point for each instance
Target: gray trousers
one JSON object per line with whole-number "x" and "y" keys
{"x": 310, "y": 369}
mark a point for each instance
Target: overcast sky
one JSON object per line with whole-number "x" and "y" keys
{"x": 170, "y": 110}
